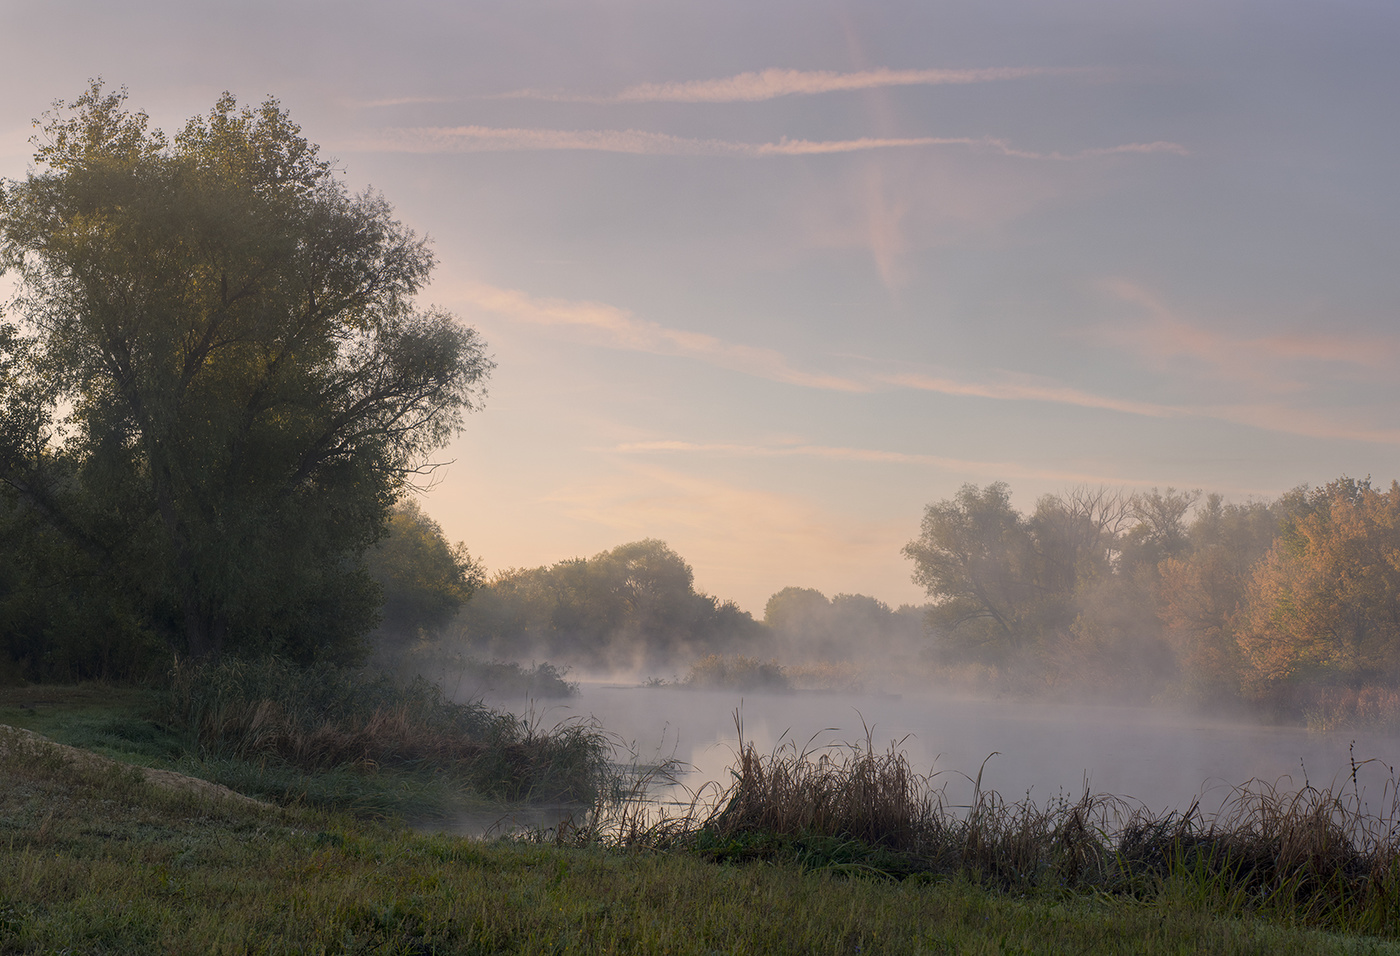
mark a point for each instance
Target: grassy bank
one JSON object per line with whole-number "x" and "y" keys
{"x": 323, "y": 738}
{"x": 837, "y": 851}
{"x": 97, "y": 859}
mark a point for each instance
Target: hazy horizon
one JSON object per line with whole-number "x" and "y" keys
{"x": 762, "y": 281}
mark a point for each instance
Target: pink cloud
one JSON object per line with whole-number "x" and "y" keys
{"x": 1007, "y": 469}
{"x": 1012, "y": 391}
{"x": 619, "y": 328}
{"x": 757, "y": 86}
{"x": 486, "y": 139}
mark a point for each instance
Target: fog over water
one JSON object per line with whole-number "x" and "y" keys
{"x": 1160, "y": 758}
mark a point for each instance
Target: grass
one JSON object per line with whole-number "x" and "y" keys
{"x": 321, "y": 719}
{"x": 323, "y": 738}
{"x": 736, "y": 672}
{"x": 96, "y": 860}
{"x": 809, "y": 850}
{"x": 1307, "y": 857}
{"x": 1352, "y": 708}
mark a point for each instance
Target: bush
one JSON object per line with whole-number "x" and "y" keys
{"x": 324, "y": 717}
{"x": 736, "y": 673}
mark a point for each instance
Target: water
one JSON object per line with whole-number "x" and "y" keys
{"x": 1162, "y": 759}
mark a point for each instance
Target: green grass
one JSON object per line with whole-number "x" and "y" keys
{"x": 478, "y": 758}
{"x": 94, "y": 860}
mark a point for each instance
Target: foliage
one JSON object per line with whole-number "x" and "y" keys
{"x": 1201, "y": 591}
{"x": 1007, "y": 589}
{"x": 808, "y": 627}
{"x": 736, "y": 673}
{"x": 468, "y": 678}
{"x": 327, "y": 717}
{"x": 425, "y": 580}
{"x": 162, "y": 873}
{"x": 1324, "y": 603}
{"x": 1265, "y": 601}
{"x": 632, "y": 606}
{"x": 1313, "y": 856}
{"x": 219, "y": 382}
{"x": 96, "y": 857}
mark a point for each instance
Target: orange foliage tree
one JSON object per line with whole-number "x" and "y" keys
{"x": 1323, "y": 605}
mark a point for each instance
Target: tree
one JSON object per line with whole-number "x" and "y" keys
{"x": 1324, "y": 603}
{"x": 633, "y": 605}
{"x": 424, "y": 579}
{"x": 796, "y": 611}
{"x": 976, "y": 558}
{"x": 219, "y": 383}
{"x": 1160, "y": 531}
{"x": 1200, "y": 592}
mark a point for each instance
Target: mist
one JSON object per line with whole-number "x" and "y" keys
{"x": 1105, "y": 643}
{"x": 1161, "y": 758}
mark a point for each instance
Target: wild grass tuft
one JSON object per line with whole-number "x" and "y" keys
{"x": 1312, "y": 856}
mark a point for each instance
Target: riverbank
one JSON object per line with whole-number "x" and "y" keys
{"x": 98, "y": 855}
{"x": 97, "y": 858}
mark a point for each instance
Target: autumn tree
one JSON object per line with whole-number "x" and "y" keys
{"x": 217, "y": 381}
{"x": 1201, "y": 590}
{"x": 1324, "y": 604}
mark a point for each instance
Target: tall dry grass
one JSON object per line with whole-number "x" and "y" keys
{"x": 1315, "y": 855}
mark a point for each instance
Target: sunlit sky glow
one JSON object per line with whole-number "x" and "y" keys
{"x": 763, "y": 278}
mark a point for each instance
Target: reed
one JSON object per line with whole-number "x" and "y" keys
{"x": 1314, "y": 856}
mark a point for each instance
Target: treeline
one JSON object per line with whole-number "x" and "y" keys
{"x": 635, "y": 609}
{"x": 632, "y": 607}
{"x": 1289, "y": 604}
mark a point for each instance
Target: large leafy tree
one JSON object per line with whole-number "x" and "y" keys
{"x": 1324, "y": 604}
{"x": 1004, "y": 586}
{"x": 976, "y": 557}
{"x": 217, "y": 381}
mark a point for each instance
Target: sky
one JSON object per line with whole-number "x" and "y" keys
{"x": 765, "y": 279}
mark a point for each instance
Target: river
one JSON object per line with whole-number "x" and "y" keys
{"x": 1162, "y": 759}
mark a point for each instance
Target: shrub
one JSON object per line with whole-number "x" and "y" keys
{"x": 324, "y": 717}
{"x": 736, "y": 673}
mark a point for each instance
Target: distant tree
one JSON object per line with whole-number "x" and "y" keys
{"x": 635, "y": 605}
{"x": 1066, "y": 594}
{"x": 425, "y": 580}
{"x": 1201, "y": 592}
{"x": 1324, "y": 603}
{"x": 806, "y": 626}
{"x": 975, "y": 558}
{"x": 796, "y": 611}
{"x": 1159, "y": 530}
{"x": 218, "y": 382}
{"x": 1077, "y": 535}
